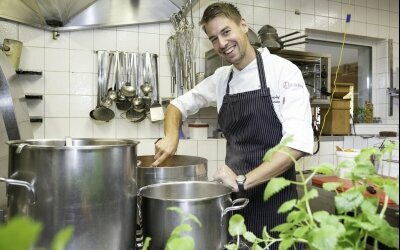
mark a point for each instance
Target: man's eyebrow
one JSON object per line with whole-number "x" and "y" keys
{"x": 221, "y": 31}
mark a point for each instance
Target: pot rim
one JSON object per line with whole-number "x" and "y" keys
{"x": 140, "y": 191}
{"x": 194, "y": 161}
{"x": 27, "y": 143}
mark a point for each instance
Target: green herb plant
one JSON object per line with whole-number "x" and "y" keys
{"x": 357, "y": 217}
{"x": 359, "y": 115}
{"x": 22, "y": 233}
{"x": 178, "y": 240}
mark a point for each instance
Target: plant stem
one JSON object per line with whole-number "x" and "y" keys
{"x": 385, "y": 204}
{"x": 304, "y": 184}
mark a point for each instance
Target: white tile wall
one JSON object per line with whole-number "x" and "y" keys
{"x": 8, "y": 30}
{"x": 69, "y": 78}
{"x": 56, "y": 83}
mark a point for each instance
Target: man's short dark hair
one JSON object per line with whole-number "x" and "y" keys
{"x": 221, "y": 9}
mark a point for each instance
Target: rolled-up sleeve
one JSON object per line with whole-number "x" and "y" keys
{"x": 295, "y": 110}
{"x": 202, "y": 95}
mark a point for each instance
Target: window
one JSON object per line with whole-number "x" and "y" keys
{"x": 355, "y": 68}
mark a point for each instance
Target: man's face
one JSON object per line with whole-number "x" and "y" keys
{"x": 228, "y": 39}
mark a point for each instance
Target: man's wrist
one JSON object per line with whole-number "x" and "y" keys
{"x": 240, "y": 180}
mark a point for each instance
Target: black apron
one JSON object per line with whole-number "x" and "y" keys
{"x": 251, "y": 127}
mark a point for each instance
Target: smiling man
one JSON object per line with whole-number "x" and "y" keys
{"x": 256, "y": 110}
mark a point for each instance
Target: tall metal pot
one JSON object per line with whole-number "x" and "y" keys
{"x": 87, "y": 183}
{"x": 209, "y": 201}
{"x": 175, "y": 168}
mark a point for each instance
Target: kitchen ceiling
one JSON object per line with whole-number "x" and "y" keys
{"x": 63, "y": 15}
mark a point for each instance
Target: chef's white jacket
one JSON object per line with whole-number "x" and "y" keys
{"x": 289, "y": 95}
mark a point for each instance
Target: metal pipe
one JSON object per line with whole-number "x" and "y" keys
{"x": 295, "y": 38}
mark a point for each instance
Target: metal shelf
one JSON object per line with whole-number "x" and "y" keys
{"x": 34, "y": 96}
{"x": 28, "y": 72}
{"x": 36, "y": 119}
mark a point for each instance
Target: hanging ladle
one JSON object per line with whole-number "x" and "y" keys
{"x": 122, "y": 102}
{"x": 147, "y": 87}
{"x": 101, "y": 112}
{"x": 129, "y": 88}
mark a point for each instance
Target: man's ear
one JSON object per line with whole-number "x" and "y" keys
{"x": 243, "y": 25}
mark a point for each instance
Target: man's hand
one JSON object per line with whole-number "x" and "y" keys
{"x": 227, "y": 177}
{"x": 164, "y": 148}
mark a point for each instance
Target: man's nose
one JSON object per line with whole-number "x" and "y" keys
{"x": 222, "y": 42}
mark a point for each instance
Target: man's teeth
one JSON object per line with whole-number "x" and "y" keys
{"x": 229, "y": 50}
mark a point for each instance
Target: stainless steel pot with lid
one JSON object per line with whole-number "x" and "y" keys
{"x": 209, "y": 201}
{"x": 87, "y": 183}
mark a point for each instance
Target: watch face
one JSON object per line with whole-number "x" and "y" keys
{"x": 241, "y": 178}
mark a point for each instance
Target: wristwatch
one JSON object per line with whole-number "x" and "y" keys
{"x": 240, "y": 180}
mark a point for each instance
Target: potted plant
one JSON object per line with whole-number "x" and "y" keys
{"x": 358, "y": 218}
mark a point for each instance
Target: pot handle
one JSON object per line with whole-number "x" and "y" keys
{"x": 25, "y": 184}
{"x": 20, "y": 147}
{"x": 245, "y": 201}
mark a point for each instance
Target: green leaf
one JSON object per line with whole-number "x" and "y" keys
{"x": 177, "y": 210}
{"x": 389, "y": 146}
{"x": 62, "y": 237}
{"x": 324, "y": 238}
{"x": 393, "y": 192}
{"x": 146, "y": 243}
{"x": 250, "y": 237}
{"x": 182, "y": 243}
{"x": 363, "y": 171}
{"x": 268, "y": 156}
{"x": 374, "y": 219}
{"x": 296, "y": 216}
{"x": 346, "y": 164}
{"x": 265, "y": 234}
{"x": 286, "y": 244}
{"x": 192, "y": 218}
{"x": 300, "y": 231}
{"x": 181, "y": 228}
{"x": 360, "y": 224}
{"x": 287, "y": 206}
{"x": 274, "y": 186}
{"x": 12, "y": 235}
{"x": 236, "y": 225}
{"x": 326, "y": 219}
{"x": 311, "y": 194}
{"x": 331, "y": 186}
{"x": 348, "y": 201}
{"x": 231, "y": 247}
{"x": 386, "y": 234}
{"x": 369, "y": 206}
{"x": 283, "y": 227}
{"x": 324, "y": 168}
{"x": 255, "y": 246}
{"x": 320, "y": 216}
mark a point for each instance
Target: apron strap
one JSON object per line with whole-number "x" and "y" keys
{"x": 261, "y": 73}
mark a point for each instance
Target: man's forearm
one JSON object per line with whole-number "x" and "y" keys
{"x": 279, "y": 163}
{"x": 172, "y": 121}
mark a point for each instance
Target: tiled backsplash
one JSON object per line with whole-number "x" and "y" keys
{"x": 69, "y": 63}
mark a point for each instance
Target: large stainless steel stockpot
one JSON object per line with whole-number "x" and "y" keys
{"x": 87, "y": 183}
{"x": 175, "y": 168}
{"x": 209, "y": 201}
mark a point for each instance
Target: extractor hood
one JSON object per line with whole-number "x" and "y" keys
{"x": 63, "y": 15}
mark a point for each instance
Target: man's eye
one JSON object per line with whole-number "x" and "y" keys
{"x": 226, "y": 32}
